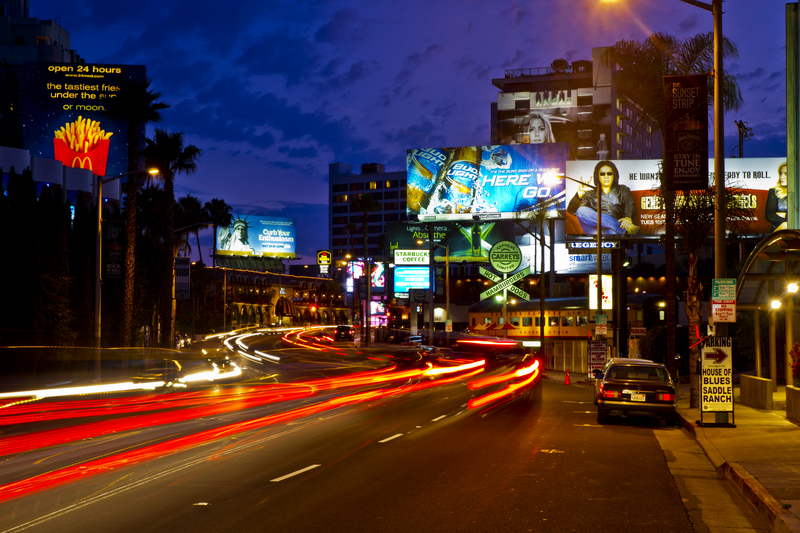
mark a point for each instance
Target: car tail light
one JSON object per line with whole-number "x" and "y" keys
{"x": 612, "y": 394}
{"x": 665, "y": 397}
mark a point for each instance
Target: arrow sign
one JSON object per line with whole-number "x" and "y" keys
{"x": 717, "y": 355}
{"x": 489, "y": 274}
{"x": 519, "y": 292}
{"x": 506, "y": 283}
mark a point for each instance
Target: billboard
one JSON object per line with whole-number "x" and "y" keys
{"x": 488, "y": 182}
{"x": 258, "y": 236}
{"x": 410, "y": 277}
{"x": 469, "y": 241}
{"x": 355, "y": 269}
{"x": 559, "y": 116}
{"x": 63, "y": 115}
{"x": 686, "y": 135}
{"x": 635, "y": 197}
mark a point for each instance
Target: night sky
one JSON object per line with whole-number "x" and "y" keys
{"x": 274, "y": 91}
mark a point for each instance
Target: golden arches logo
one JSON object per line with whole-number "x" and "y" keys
{"x": 81, "y": 161}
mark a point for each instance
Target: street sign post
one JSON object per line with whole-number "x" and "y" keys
{"x": 716, "y": 379}
{"x": 597, "y": 356}
{"x": 723, "y": 299}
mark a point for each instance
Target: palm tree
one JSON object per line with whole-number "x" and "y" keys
{"x": 136, "y": 105}
{"x": 168, "y": 152}
{"x": 351, "y": 228}
{"x": 642, "y": 66}
{"x": 193, "y": 216}
{"x": 365, "y": 204}
{"x": 219, "y": 214}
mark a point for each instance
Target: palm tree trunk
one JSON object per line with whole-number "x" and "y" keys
{"x": 694, "y": 298}
{"x": 130, "y": 234}
{"x": 168, "y": 298}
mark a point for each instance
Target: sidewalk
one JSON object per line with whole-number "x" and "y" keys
{"x": 760, "y": 457}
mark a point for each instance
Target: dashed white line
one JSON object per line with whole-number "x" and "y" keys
{"x": 391, "y": 438}
{"x": 439, "y": 418}
{"x": 296, "y": 472}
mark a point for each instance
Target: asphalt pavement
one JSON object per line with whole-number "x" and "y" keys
{"x": 759, "y": 457}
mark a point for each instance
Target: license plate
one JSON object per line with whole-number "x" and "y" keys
{"x": 637, "y": 397}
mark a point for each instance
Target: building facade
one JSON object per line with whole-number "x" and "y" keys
{"x": 23, "y": 38}
{"x": 346, "y": 234}
{"x": 578, "y": 104}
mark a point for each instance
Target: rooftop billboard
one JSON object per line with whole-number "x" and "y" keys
{"x": 471, "y": 242}
{"x": 488, "y": 182}
{"x": 559, "y": 116}
{"x": 258, "y": 236}
{"x": 635, "y": 205}
{"x": 63, "y": 115}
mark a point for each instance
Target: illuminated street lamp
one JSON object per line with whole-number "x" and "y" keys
{"x": 98, "y": 278}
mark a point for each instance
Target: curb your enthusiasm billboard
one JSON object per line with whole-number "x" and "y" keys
{"x": 490, "y": 182}
{"x": 258, "y": 236}
{"x": 63, "y": 115}
{"x": 634, "y": 204}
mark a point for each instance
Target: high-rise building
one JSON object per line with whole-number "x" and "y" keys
{"x": 23, "y": 38}
{"x": 387, "y": 188}
{"x": 576, "y": 103}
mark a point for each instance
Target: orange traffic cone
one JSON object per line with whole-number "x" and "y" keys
{"x": 566, "y": 380}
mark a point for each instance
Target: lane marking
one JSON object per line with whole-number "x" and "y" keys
{"x": 297, "y": 472}
{"x": 439, "y": 418}
{"x": 391, "y": 438}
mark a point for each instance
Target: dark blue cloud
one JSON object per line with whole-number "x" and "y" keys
{"x": 300, "y": 153}
{"x": 280, "y": 53}
{"x": 343, "y": 27}
{"x": 420, "y": 58}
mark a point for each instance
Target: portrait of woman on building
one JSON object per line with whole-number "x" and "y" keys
{"x": 540, "y": 130}
{"x": 777, "y": 201}
{"x": 617, "y": 211}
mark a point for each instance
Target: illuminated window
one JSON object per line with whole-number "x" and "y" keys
{"x": 566, "y": 321}
{"x": 514, "y": 321}
{"x": 581, "y": 321}
{"x": 526, "y": 321}
{"x": 373, "y": 185}
{"x": 552, "y": 321}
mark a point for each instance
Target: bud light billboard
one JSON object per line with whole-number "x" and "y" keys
{"x": 258, "y": 236}
{"x": 484, "y": 182}
{"x": 64, "y": 118}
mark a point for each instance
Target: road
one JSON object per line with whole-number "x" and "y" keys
{"x": 409, "y": 461}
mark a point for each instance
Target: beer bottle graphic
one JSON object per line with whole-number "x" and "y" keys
{"x": 459, "y": 188}
{"x": 424, "y": 177}
{"x": 476, "y": 240}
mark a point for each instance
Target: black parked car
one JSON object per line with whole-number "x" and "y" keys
{"x": 632, "y": 386}
{"x": 344, "y": 333}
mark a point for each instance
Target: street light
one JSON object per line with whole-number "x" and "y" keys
{"x": 98, "y": 278}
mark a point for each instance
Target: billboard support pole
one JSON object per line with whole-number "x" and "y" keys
{"x": 368, "y": 303}
{"x": 98, "y": 279}
{"x": 599, "y": 190}
{"x": 431, "y": 249}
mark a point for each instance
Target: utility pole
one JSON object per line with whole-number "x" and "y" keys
{"x": 745, "y": 134}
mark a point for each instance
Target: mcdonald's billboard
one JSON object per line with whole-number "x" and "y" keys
{"x": 63, "y": 114}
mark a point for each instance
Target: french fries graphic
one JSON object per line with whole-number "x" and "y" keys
{"x": 82, "y": 135}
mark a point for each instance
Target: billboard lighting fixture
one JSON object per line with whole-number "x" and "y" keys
{"x": 775, "y": 304}
{"x": 792, "y": 287}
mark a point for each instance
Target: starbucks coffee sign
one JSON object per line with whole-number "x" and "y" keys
{"x": 505, "y": 257}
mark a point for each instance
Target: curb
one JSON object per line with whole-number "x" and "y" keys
{"x": 770, "y": 510}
